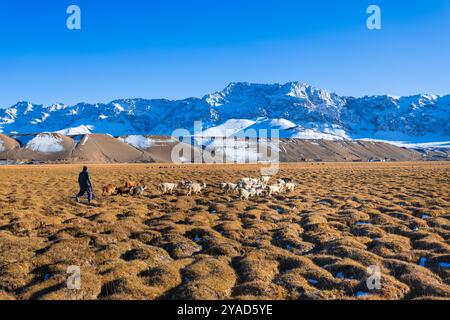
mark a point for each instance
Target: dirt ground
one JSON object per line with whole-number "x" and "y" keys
{"x": 314, "y": 243}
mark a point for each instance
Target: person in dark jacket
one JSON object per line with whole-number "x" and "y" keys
{"x": 85, "y": 185}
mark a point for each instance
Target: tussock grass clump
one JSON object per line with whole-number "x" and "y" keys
{"x": 314, "y": 243}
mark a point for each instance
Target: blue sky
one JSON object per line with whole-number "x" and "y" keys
{"x": 182, "y": 48}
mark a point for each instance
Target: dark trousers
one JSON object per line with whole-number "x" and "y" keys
{"x": 87, "y": 190}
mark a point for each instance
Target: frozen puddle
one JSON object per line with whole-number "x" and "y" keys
{"x": 444, "y": 265}
{"x": 341, "y": 275}
{"x": 422, "y": 262}
{"x": 362, "y": 223}
{"x": 362, "y": 294}
{"x": 280, "y": 210}
{"x": 313, "y": 281}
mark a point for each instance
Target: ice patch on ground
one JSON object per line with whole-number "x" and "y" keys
{"x": 2, "y": 147}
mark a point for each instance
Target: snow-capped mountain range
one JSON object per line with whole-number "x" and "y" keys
{"x": 297, "y": 109}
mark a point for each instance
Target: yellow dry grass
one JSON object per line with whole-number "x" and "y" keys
{"x": 314, "y": 243}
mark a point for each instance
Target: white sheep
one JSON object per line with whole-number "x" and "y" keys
{"x": 227, "y": 187}
{"x": 247, "y": 183}
{"x": 244, "y": 194}
{"x": 274, "y": 188}
{"x": 165, "y": 188}
{"x": 259, "y": 191}
{"x": 194, "y": 187}
{"x": 290, "y": 186}
{"x": 264, "y": 179}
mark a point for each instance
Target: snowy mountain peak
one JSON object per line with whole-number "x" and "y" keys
{"x": 295, "y": 107}
{"x": 305, "y": 91}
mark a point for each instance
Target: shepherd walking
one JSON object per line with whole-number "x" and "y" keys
{"x": 85, "y": 185}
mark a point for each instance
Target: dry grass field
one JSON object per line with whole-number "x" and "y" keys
{"x": 314, "y": 243}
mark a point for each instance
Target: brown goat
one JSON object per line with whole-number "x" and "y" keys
{"x": 123, "y": 190}
{"x": 109, "y": 189}
{"x": 131, "y": 184}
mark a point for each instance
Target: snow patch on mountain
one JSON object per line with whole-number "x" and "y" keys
{"x": 228, "y": 128}
{"x": 118, "y": 108}
{"x": 80, "y": 130}
{"x": 230, "y": 150}
{"x": 418, "y": 145}
{"x": 138, "y": 141}
{"x": 311, "y": 134}
{"x": 45, "y": 143}
{"x": 263, "y": 128}
{"x": 28, "y": 109}
{"x": 84, "y": 140}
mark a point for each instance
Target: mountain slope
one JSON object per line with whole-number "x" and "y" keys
{"x": 313, "y": 113}
{"x": 102, "y": 148}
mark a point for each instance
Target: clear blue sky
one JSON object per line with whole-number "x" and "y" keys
{"x": 183, "y": 48}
